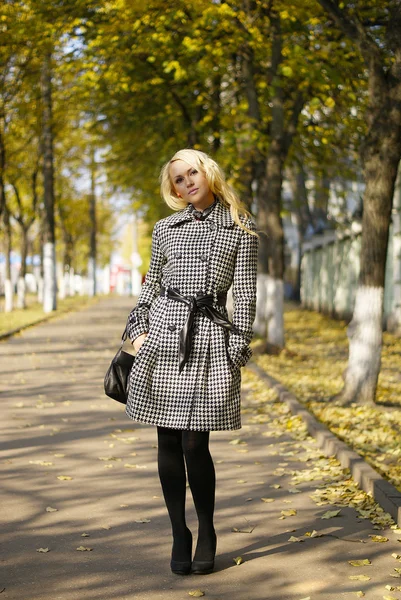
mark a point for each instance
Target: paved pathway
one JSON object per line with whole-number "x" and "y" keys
{"x": 57, "y": 424}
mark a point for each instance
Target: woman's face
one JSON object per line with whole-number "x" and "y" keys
{"x": 190, "y": 184}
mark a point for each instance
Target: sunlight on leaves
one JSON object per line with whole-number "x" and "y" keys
{"x": 360, "y": 563}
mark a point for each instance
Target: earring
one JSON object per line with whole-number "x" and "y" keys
{"x": 178, "y": 195}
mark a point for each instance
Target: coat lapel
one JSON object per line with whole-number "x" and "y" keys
{"x": 220, "y": 215}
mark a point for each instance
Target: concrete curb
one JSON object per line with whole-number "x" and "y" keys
{"x": 368, "y": 478}
{"x": 12, "y": 332}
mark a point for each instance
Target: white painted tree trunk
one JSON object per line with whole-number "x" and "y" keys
{"x": 49, "y": 278}
{"x": 8, "y": 296}
{"x": 269, "y": 320}
{"x": 21, "y": 292}
{"x": 39, "y": 283}
{"x": 260, "y": 324}
{"x": 275, "y": 311}
{"x": 71, "y": 282}
{"x": 365, "y": 333}
{"x": 61, "y": 281}
{"x": 394, "y": 320}
{"x": 91, "y": 284}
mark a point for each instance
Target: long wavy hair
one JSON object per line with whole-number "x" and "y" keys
{"x": 216, "y": 180}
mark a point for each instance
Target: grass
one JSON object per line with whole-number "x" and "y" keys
{"x": 312, "y": 366}
{"x": 34, "y": 312}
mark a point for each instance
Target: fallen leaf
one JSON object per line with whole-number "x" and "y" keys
{"x": 295, "y": 539}
{"x": 312, "y": 534}
{"x": 238, "y": 560}
{"x": 389, "y": 598}
{"x": 241, "y": 481}
{"x": 330, "y": 514}
{"x": 142, "y": 520}
{"x": 59, "y": 455}
{"x": 276, "y": 486}
{"x": 42, "y": 463}
{"x": 379, "y": 538}
{"x": 359, "y": 578}
{"x": 360, "y": 594}
{"x": 290, "y": 512}
{"x": 50, "y": 509}
{"x": 360, "y": 563}
{"x": 237, "y": 442}
{"x": 396, "y": 556}
{"x": 85, "y": 535}
{"x": 106, "y": 527}
{"x": 389, "y": 588}
{"x": 267, "y": 499}
{"x": 294, "y": 491}
{"x": 42, "y": 549}
{"x": 64, "y": 478}
{"x": 84, "y": 549}
{"x": 196, "y": 593}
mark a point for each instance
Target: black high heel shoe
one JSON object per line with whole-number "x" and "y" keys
{"x": 204, "y": 567}
{"x": 183, "y": 567}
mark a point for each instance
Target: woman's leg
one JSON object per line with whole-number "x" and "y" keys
{"x": 173, "y": 480}
{"x": 202, "y": 481}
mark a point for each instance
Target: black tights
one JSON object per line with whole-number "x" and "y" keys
{"x": 177, "y": 448}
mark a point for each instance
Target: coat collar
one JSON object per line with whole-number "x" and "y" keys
{"x": 220, "y": 215}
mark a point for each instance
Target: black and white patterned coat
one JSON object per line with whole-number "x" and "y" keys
{"x": 192, "y": 255}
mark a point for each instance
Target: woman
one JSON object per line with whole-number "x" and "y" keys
{"x": 186, "y": 375}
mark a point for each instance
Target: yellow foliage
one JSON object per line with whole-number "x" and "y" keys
{"x": 311, "y": 367}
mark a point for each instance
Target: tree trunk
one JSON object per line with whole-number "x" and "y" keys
{"x": 394, "y": 320}
{"x": 2, "y": 168}
{"x": 49, "y": 254}
{"x": 381, "y": 157}
{"x": 21, "y": 284}
{"x": 8, "y": 287}
{"x": 303, "y": 219}
{"x": 92, "y": 217}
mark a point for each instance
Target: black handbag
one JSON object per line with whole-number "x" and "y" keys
{"x": 116, "y": 378}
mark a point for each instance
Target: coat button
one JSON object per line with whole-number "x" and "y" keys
{"x": 172, "y": 327}
{"x": 178, "y": 255}
{"x": 196, "y": 330}
{"x": 212, "y": 225}
{"x": 203, "y": 257}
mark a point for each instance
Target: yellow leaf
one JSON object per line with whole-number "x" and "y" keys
{"x": 295, "y": 539}
{"x": 196, "y": 593}
{"x": 389, "y": 598}
{"x": 84, "y": 534}
{"x": 360, "y": 594}
{"x": 267, "y": 499}
{"x": 290, "y": 512}
{"x": 50, "y": 509}
{"x": 359, "y": 578}
{"x": 238, "y": 560}
{"x": 42, "y": 549}
{"x": 379, "y": 538}
{"x": 64, "y": 478}
{"x": 360, "y": 563}
{"x": 84, "y": 549}
{"x": 330, "y": 514}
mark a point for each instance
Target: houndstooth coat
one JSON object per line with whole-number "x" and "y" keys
{"x": 192, "y": 255}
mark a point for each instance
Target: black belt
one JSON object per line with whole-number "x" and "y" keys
{"x": 204, "y": 304}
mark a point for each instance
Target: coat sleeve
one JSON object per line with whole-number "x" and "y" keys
{"x": 244, "y": 297}
{"x": 138, "y": 319}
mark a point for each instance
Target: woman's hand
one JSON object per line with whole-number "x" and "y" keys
{"x": 137, "y": 343}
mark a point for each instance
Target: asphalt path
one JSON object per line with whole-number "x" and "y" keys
{"x": 82, "y": 513}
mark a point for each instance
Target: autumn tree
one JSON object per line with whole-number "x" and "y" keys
{"x": 375, "y": 30}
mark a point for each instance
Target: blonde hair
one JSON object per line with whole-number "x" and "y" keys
{"x": 216, "y": 180}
